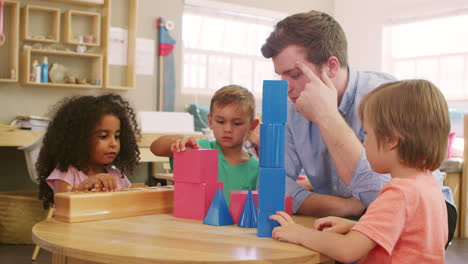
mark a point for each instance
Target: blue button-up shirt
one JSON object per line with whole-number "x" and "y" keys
{"x": 305, "y": 149}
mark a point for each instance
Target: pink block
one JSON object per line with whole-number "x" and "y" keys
{"x": 220, "y": 184}
{"x": 192, "y": 200}
{"x": 288, "y": 204}
{"x": 237, "y": 200}
{"x": 196, "y": 166}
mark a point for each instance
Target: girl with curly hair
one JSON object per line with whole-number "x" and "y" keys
{"x": 91, "y": 143}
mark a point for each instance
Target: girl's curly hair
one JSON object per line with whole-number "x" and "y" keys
{"x": 67, "y": 141}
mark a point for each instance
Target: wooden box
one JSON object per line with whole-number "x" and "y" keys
{"x": 88, "y": 206}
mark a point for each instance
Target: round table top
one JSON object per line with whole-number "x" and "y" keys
{"x": 162, "y": 238}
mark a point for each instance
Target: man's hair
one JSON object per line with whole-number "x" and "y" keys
{"x": 319, "y": 33}
{"x": 234, "y": 94}
{"x": 415, "y": 113}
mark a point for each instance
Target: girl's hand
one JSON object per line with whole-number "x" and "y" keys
{"x": 181, "y": 143}
{"x": 334, "y": 224}
{"x": 289, "y": 231}
{"x": 101, "y": 181}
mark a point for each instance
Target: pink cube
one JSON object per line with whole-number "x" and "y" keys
{"x": 288, "y": 204}
{"x": 192, "y": 200}
{"x": 237, "y": 200}
{"x": 196, "y": 166}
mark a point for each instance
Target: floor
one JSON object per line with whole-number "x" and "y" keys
{"x": 457, "y": 253}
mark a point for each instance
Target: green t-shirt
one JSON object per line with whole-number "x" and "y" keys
{"x": 239, "y": 177}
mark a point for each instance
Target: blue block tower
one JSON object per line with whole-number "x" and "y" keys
{"x": 272, "y": 175}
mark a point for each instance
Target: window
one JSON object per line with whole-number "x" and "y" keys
{"x": 221, "y": 46}
{"x": 435, "y": 49}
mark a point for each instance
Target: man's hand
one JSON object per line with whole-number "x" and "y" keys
{"x": 319, "y": 99}
{"x": 334, "y": 224}
{"x": 180, "y": 144}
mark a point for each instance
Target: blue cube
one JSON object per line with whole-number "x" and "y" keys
{"x": 274, "y": 102}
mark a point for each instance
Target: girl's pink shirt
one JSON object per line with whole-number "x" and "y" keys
{"x": 74, "y": 177}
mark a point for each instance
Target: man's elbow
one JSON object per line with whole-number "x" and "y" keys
{"x": 354, "y": 207}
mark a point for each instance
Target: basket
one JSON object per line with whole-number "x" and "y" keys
{"x": 19, "y": 211}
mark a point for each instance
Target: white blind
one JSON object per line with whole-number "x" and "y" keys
{"x": 430, "y": 48}
{"x": 221, "y": 46}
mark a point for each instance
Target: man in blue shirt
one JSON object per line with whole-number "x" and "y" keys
{"x": 323, "y": 133}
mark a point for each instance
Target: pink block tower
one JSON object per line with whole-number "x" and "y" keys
{"x": 195, "y": 182}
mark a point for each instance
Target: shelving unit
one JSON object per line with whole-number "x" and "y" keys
{"x": 9, "y": 50}
{"x": 93, "y": 72}
{"x": 127, "y": 71}
{"x": 90, "y": 26}
{"x": 32, "y": 17}
{"x": 52, "y": 30}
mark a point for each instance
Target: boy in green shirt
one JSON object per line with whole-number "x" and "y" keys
{"x": 232, "y": 118}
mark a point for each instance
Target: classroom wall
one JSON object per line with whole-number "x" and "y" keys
{"x": 362, "y": 20}
{"x": 16, "y": 99}
{"x": 37, "y": 100}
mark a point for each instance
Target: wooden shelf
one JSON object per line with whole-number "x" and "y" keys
{"x": 91, "y": 27}
{"x": 50, "y": 15}
{"x": 4, "y": 80}
{"x": 40, "y": 23}
{"x": 65, "y": 53}
{"x": 9, "y": 51}
{"x": 67, "y": 85}
{"x": 92, "y": 62}
{"x": 119, "y": 87}
{"x": 80, "y": 2}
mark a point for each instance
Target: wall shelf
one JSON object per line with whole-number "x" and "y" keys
{"x": 9, "y": 50}
{"x": 33, "y": 17}
{"x": 89, "y": 27}
{"x": 65, "y": 53}
{"x": 86, "y": 65}
{"x": 51, "y": 28}
{"x": 66, "y": 85}
{"x": 80, "y": 2}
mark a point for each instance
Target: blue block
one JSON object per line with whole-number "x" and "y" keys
{"x": 218, "y": 214}
{"x": 272, "y": 145}
{"x": 265, "y": 225}
{"x": 274, "y": 102}
{"x": 271, "y": 189}
{"x": 249, "y": 216}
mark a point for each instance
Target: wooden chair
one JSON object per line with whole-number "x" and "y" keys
{"x": 36, "y": 249}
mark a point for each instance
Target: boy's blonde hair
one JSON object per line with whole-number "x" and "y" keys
{"x": 234, "y": 94}
{"x": 415, "y": 113}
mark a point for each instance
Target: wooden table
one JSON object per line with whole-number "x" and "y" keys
{"x": 162, "y": 238}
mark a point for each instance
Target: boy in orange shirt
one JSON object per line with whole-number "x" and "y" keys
{"x": 407, "y": 125}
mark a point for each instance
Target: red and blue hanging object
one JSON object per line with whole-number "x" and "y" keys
{"x": 166, "y": 89}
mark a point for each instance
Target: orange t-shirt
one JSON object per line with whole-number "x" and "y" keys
{"x": 408, "y": 221}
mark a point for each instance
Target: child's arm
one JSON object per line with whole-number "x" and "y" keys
{"x": 344, "y": 248}
{"x": 165, "y": 145}
{"x": 61, "y": 186}
{"x": 334, "y": 224}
